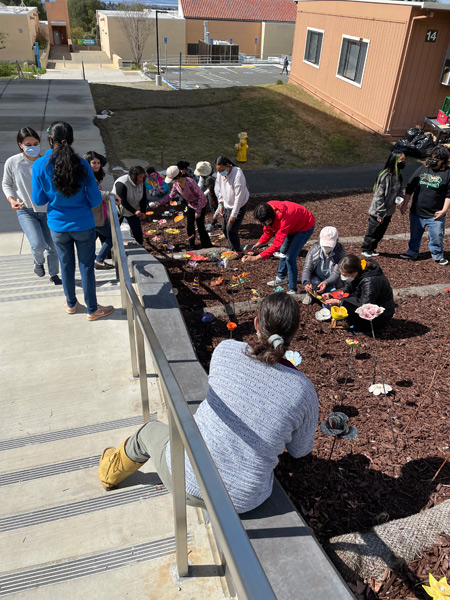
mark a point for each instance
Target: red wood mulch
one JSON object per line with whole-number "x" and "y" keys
{"x": 366, "y": 482}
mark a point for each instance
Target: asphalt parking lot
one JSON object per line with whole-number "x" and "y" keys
{"x": 222, "y": 76}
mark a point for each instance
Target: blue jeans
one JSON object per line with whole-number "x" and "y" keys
{"x": 436, "y": 230}
{"x": 292, "y": 246}
{"x": 105, "y": 231}
{"x": 34, "y": 225}
{"x": 65, "y": 242}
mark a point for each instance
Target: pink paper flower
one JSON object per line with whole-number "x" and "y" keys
{"x": 369, "y": 311}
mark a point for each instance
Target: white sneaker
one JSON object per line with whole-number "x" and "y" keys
{"x": 277, "y": 281}
{"x": 292, "y": 292}
{"x": 323, "y": 314}
{"x": 307, "y": 299}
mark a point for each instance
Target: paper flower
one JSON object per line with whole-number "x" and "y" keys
{"x": 231, "y": 326}
{"x": 447, "y": 289}
{"x": 293, "y": 357}
{"x": 197, "y": 257}
{"x": 150, "y": 232}
{"x": 213, "y": 254}
{"x": 166, "y": 213}
{"x": 338, "y": 312}
{"x": 339, "y": 294}
{"x": 363, "y": 264}
{"x": 229, "y": 254}
{"x": 369, "y": 311}
{"x": 256, "y": 293}
{"x": 207, "y": 317}
{"x": 217, "y": 281}
{"x": 193, "y": 264}
{"x": 156, "y": 238}
{"x": 377, "y": 389}
{"x": 150, "y": 212}
{"x": 178, "y": 218}
{"x": 172, "y": 231}
{"x": 439, "y": 590}
{"x": 162, "y": 222}
{"x": 336, "y": 426}
{"x": 352, "y": 341}
{"x": 278, "y": 289}
{"x": 170, "y": 247}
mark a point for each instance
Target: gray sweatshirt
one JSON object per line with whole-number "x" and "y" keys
{"x": 383, "y": 203}
{"x": 17, "y": 181}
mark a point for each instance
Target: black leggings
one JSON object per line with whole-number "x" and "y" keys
{"x": 190, "y": 228}
{"x": 136, "y": 228}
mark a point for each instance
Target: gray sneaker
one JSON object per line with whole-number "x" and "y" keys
{"x": 277, "y": 281}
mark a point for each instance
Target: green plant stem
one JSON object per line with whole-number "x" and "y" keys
{"x": 384, "y": 389}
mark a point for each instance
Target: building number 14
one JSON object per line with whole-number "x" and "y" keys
{"x": 431, "y": 35}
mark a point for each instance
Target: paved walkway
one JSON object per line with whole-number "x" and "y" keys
{"x": 66, "y": 395}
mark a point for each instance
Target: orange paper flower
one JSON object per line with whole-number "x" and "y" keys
{"x": 231, "y": 326}
{"x": 150, "y": 212}
{"x": 178, "y": 218}
{"x": 217, "y": 281}
{"x": 174, "y": 203}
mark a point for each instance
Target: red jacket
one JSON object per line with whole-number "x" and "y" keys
{"x": 289, "y": 218}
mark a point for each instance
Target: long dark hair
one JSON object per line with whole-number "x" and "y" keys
{"x": 352, "y": 264}
{"x": 68, "y": 172}
{"x": 224, "y": 161}
{"x": 391, "y": 166}
{"x": 26, "y": 132}
{"x": 441, "y": 153}
{"x": 278, "y": 314}
{"x": 89, "y": 156}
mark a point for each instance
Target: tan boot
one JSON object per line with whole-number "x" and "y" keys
{"x": 115, "y": 466}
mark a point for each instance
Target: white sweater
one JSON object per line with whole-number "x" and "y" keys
{"x": 232, "y": 190}
{"x": 17, "y": 181}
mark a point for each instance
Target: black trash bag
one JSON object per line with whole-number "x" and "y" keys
{"x": 417, "y": 139}
{"x": 413, "y": 132}
{"x": 423, "y": 146}
{"x": 401, "y": 146}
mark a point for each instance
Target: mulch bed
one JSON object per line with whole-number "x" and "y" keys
{"x": 366, "y": 482}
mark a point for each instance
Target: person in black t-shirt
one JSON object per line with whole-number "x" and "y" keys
{"x": 430, "y": 189}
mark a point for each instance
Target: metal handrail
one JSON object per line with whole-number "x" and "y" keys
{"x": 248, "y": 575}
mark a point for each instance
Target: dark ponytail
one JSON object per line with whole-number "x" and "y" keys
{"x": 278, "y": 317}
{"x": 352, "y": 264}
{"x": 68, "y": 172}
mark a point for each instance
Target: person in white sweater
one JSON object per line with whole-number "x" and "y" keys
{"x": 16, "y": 184}
{"x": 257, "y": 405}
{"x": 233, "y": 195}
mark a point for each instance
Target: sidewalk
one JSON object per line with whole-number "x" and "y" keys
{"x": 67, "y": 394}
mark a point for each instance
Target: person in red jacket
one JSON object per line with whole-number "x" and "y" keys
{"x": 292, "y": 225}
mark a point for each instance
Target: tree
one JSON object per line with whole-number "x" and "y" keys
{"x": 2, "y": 39}
{"x": 82, "y": 14}
{"x": 37, "y": 3}
{"x": 137, "y": 27}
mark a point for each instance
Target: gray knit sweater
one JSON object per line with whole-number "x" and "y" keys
{"x": 251, "y": 413}
{"x": 17, "y": 180}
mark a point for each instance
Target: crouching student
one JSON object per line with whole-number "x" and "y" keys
{"x": 365, "y": 283}
{"x": 321, "y": 268}
{"x": 257, "y": 404}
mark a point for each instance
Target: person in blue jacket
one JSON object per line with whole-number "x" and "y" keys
{"x": 66, "y": 183}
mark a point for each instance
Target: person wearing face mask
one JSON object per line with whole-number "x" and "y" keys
{"x": 292, "y": 225}
{"x": 321, "y": 268}
{"x": 133, "y": 197}
{"x": 387, "y": 194}
{"x": 233, "y": 195}
{"x": 430, "y": 189}
{"x": 365, "y": 283}
{"x": 17, "y": 178}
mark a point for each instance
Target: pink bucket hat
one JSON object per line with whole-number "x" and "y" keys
{"x": 329, "y": 236}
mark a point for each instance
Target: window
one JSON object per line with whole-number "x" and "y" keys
{"x": 352, "y": 59}
{"x": 313, "y": 47}
{"x": 445, "y": 75}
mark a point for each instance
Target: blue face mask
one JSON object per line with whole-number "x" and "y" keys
{"x": 32, "y": 151}
{"x": 224, "y": 173}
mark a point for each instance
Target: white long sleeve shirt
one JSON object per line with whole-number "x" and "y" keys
{"x": 232, "y": 190}
{"x": 17, "y": 181}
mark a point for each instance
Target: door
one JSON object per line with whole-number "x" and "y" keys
{"x": 56, "y": 37}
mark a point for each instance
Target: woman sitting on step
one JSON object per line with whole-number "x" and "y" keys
{"x": 257, "y": 405}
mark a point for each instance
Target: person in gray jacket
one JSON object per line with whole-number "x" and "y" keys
{"x": 387, "y": 193}
{"x": 321, "y": 268}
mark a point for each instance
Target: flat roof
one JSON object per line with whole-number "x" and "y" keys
{"x": 17, "y": 10}
{"x": 423, "y": 5}
{"x": 147, "y": 14}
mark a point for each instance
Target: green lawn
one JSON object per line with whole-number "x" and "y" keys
{"x": 287, "y": 128}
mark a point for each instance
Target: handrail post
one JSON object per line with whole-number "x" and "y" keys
{"x": 179, "y": 497}
{"x": 142, "y": 371}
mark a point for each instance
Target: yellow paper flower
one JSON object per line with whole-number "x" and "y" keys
{"x": 439, "y": 590}
{"x": 338, "y": 313}
{"x": 174, "y": 231}
{"x": 363, "y": 264}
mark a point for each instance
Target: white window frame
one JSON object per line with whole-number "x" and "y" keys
{"x": 322, "y": 31}
{"x": 357, "y": 39}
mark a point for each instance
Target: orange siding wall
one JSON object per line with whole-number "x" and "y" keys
{"x": 386, "y": 29}
{"x": 420, "y": 94}
{"x": 243, "y": 33}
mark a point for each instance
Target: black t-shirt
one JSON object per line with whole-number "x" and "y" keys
{"x": 430, "y": 189}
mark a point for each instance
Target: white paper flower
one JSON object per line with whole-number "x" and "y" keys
{"x": 377, "y": 389}
{"x": 369, "y": 311}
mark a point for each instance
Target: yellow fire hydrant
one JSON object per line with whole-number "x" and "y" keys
{"x": 242, "y": 147}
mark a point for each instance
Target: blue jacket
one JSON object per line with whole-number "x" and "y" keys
{"x": 73, "y": 213}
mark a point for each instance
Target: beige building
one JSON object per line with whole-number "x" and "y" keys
{"x": 20, "y": 26}
{"x": 58, "y": 22}
{"x": 113, "y": 40}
